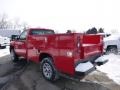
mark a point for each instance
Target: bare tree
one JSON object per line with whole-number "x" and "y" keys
{"x": 92, "y": 31}
{"x": 101, "y": 30}
{"x": 24, "y": 25}
{"x": 15, "y": 23}
{"x": 3, "y": 21}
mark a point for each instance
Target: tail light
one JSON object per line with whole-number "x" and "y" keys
{"x": 101, "y": 39}
{"x": 101, "y": 44}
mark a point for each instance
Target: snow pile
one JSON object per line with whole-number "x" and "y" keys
{"x": 112, "y": 67}
{"x": 4, "y": 52}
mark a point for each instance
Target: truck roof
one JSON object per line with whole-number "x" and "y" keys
{"x": 39, "y": 29}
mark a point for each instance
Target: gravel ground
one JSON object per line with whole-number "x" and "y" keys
{"x": 28, "y": 77}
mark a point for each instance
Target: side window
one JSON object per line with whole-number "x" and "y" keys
{"x": 41, "y": 32}
{"x": 23, "y": 35}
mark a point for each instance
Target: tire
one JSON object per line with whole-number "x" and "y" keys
{"x": 48, "y": 70}
{"x": 112, "y": 49}
{"x": 13, "y": 56}
{"x": 3, "y": 47}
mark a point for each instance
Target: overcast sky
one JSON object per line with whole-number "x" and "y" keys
{"x": 65, "y": 14}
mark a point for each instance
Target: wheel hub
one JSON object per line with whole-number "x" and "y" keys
{"x": 47, "y": 70}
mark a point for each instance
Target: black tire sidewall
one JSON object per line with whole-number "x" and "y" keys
{"x": 112, "y": 47}
{"x": 15, "y": 56}
{"x": 48, "y": 60}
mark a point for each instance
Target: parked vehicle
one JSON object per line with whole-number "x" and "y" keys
{"x": 2, "y": 42}
{"x": 104, "y": 34}
{"x": 13, "y": 37}
{"x": 74, "y": 54}
{"x": 112, "y": 44}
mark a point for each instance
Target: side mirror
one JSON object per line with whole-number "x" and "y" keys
{"x": 14, "y": 37}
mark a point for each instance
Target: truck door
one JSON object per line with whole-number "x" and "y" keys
{"x": 20, "y": 44}
{"x": 36, "y": 42}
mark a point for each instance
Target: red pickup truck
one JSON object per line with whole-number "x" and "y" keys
{"x": 74, "y": 55}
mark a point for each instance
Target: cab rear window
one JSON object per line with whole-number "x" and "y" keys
{"x": 41, "y": 32}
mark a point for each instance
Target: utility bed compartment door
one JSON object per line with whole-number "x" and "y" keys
{"x": 65, "y": 60}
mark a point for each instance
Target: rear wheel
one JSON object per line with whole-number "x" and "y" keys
{"x": 112, "y": 49}
{"x": 13, "y": 56}
{"x": 48, "y": 70}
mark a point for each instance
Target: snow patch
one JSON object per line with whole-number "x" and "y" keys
{"x": 112, "y": 67}
{"x": 4, "y": 52}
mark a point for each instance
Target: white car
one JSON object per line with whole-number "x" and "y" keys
{"x": 112, "y": 44}
{"x": 4, "y": 41}
{"x": 104, "y": 34}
